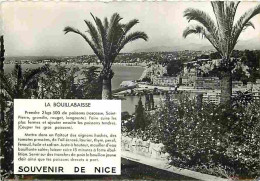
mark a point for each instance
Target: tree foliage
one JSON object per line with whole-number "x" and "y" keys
{"x": 59, "y": 82}
{"x": 222, "y": 34}
{"x": 106, "y": 40}
{"x": 63, "y": 82}
{"x": 252, "y": 60}
{"x": 217, "y": 139}
{"x": 18, "y": 84}
{"x": 140, "y": 118}
{"x": 174, "y": 67}
{"x": 245, "y": 66}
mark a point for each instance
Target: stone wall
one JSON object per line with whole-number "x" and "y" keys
{"x": 144, "y": 148}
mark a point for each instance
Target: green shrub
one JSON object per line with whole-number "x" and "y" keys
{"x": 213, "y": 137}
{"x": 7, "y": 144}
{"x": 74, "y": 82}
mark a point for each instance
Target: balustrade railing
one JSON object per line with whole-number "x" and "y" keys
{"x": 144, "y": 148}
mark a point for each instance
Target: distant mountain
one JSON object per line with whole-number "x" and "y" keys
{"x": 154, "y": 49}
{"x": 253, "y": 44}
{"x": 30, "y": 58}
{"x": 191, "y": 46}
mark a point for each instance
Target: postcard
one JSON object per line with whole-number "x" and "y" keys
{"x": 130, "y": 90}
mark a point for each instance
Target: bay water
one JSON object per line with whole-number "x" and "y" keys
{"x": 122, "y": 73}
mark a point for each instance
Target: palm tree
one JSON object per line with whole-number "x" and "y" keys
{"x": 19, "y": 85}
{"x": 223, "y": 35}
{"x": 59, "y": 83}
{"x": 108, "y": 38}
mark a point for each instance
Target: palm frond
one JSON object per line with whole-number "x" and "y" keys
{"x": 29, "y": 76}
{"x": 193, "y": 30}
{"x": 114, "y": 33}
{"x": 5, "y": 98}
{"x": 243, "y": 22}
{"x": 6, "y": 84}
{"x": 69, "y": 29}
{"x": 102, "y": 33}
{"x": 200, "y": 30}
{"x": 17, "y": 73}
{"x": 236, "y": 3}
{"x": 218, "y": 9}
{"x": 249, "y": 24}
{"x": 203, "y": 18}
{"x": 114, "y": 29}
{"x": 224, "y": 35}
{"x": 95, "y": 36}
{"x": 109, "y": 37}
{"x": 113, "y": 25}
{"x": 230, "y": 12}
{"x": 132, "y": 37}
{"x": 114, "y": 20}
{"x": 106, "y": 23}
{"x": 91, "y": 44}
{"x": 224, "y": 14}
{"x": 122, "y": 37}
{"x": 128, "y": 26}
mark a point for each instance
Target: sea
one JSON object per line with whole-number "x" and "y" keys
{"x": 122, "y": 73}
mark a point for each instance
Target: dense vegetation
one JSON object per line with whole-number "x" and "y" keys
{"x": 220, "y": 139}
{"x": 59, "y": 82}
{"x": 63, "y": 82}
{"x": 213, "y": 139}
{"x": 69, "y": 83}
{"x": 242, "y": 62}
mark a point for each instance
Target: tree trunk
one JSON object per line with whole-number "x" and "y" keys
{"x": 106, "y": 89}
{"x": 199, "y": 101}
{"x": 226, "y": 87}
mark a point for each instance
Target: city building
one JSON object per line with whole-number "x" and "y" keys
{"x": 237, "y": 84}
{"x": 128, "y": 83}
{"x": 207, "y": 83}
{"x": 166, "y": 81}
{"x": 184, "y": 80}
{"x": 254, "y": 87}
{"x": 212, "y": 97}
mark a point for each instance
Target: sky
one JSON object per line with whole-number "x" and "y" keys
{"x": 36, "y": 28}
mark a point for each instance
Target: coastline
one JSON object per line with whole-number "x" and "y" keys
{"x": 64, "y": 63}
{"x": 123, "y": 72}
